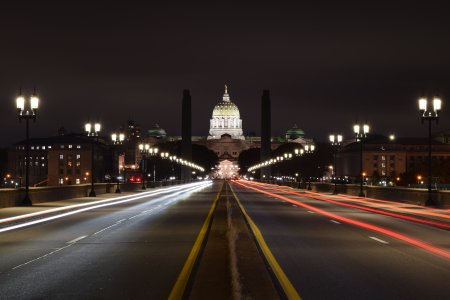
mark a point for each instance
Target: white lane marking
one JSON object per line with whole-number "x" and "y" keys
{"x": 43, "y": 256}
{"x": 120, "y": 221}
{"x": 77, "y": 239}
{"x": 378, "y": 240}
{"x": 311, "y": 212}
{"x": 334, "y": 221}
{"x": 106, "y": 228}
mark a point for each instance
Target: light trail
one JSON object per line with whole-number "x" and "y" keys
{"x": 321, "y": 197}
{"x": 418, "y": 243}
{"x": 184, "y": 189}
{"x": 47, "y": 211}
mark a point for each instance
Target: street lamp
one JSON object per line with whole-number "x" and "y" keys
{"x": 336, "y": 142}
{"x": 430, "y": 112}
{"x": 143, "y": 148}
{"x": 117, "y": 139}
{"x": 27, "y": 110}
{"x": 153, "y": 153}
{"x": 92, "y": 130}
{"x": 361, "y": 132}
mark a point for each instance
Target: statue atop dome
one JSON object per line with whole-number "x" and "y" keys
{"x": 226, "y": 119}
{"x": 226, "y": 97}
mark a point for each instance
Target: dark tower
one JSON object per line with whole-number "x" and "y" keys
{"x": 265, "y": 133}
{"x": 186, "y": 133}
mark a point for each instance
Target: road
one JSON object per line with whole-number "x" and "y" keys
{"x": 328, "y": 258}
{"x": 135, "y": 248}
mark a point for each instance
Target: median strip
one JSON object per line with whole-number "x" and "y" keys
{"x": 179, "y": 288}
{"x": 288, "y": 289}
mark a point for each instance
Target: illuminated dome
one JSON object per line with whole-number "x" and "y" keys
{"x": 225, "y": 119}
{"x": 156, "y": 132}
{"x": 294, "y": 133}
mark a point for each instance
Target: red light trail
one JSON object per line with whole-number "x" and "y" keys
{"x": 402, "y": 237}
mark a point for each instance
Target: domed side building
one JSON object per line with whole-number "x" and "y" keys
{"x": 226, "y": 120}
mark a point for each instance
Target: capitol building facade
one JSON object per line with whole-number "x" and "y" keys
{"x": 226, "y": 137}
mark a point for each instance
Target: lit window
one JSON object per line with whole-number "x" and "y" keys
{"x": 78, "y": 146}
{"x": 42, "y": 158}
{"x": 61, "y": 146}
{"x": 32, "y": 147}
{"x": 70, "y": 146}
{"x": 78, "y": 156}
{"x": 61, "y": 156}
{"x": 43, "y": 147}
{"x": 43, "y": 165}
{"x": 61, "y": 181}
{"x": 49, "y": 147}
{"x": 77, "y": 181}
{"x": 37, "y": 147}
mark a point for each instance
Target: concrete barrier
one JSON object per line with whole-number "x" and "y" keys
{"x": 398, "y": 194}
{"x": 14, "y": 197}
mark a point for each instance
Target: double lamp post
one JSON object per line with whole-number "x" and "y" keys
{"x": 92, "y": 130}
{"x": 27, "y": 110}
{"x": 430, "y": 112}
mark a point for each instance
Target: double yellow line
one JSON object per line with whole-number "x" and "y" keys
{"x": 182, "y": 280}
{"x": 289, "y": 290}
{"x": 178, "y": 289}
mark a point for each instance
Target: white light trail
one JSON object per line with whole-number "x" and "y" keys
{"x": 109, "y": 202}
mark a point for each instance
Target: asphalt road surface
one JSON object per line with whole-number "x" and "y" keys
{"x": 136, "y": 249}
{"x": 327, "y": 258}
{"x": 133, "y": 250}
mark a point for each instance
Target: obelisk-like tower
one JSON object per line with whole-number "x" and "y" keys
{"x": 265, "y": 134}
{"x": 186, "y": 134}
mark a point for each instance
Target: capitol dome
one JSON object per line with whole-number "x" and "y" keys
{"x": 225, "y": 119}
{"x": 156, "y": 132}
{"x": 226, "y": 109}
{"x": 294, "y": 133}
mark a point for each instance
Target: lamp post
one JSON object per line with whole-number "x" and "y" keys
{"x": 361, "y": 132}
{"x": 430, "y": 112}
{"x": 336, "y": 142}
{"x": 27, "y": 110}
{"x": 143, "y": 148}
{"x": 92, "y": 130}
{"x": 153, "y": 153}
{"x": 164, "y": 156}
{"x": 117, "y": 139}
{"x": 309, "y": 149}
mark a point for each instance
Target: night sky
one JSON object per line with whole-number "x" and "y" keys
{"x": 326, "y": 64}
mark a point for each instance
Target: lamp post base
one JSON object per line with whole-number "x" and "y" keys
{"x": 27, "y": 201}
{"x": 118, "y": 191}
{"x": 92, "y": 193}
{"x": 361, "y": 194}
{"x": 335, "y": 191}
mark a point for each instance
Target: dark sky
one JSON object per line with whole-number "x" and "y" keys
{"x": 326, "y": 64}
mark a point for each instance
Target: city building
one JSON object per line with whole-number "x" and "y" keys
{"x": 385, "y": 158}
{"x": 60, "y": 160}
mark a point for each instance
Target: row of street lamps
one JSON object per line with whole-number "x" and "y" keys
{"x": 147, "y": 149}
{"x": 307, "y": 149}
